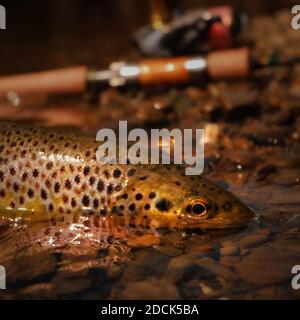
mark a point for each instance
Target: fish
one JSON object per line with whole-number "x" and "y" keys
{"x": 47, "y": 173}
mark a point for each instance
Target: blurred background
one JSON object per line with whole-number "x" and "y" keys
{"x": 58, "y": 33}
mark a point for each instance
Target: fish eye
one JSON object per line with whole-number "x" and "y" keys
{"x": 198, "y": 208}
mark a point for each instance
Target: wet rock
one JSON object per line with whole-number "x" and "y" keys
{"x": 201, "y": 248}
{"x": 286, "y": 177}
{"x": 152, "y": 289}
{"x": 254, "y": 239}
{"x": 169, "y": 251}
{"x": 71, "y": 286}
{"x": 288, "y": 198}
{"x": 244, "y": 251}
{"x": 266, "y": 266}
{"x": 114, "y": 272}
{"x": 183, "y": 267}
{"x": 290, "y": 245}
{"x": 294, "y": 221}
{"x": 229, "y": 261}
{"x": 265, "y": 171}
{"x": 190, "y": 289}
{"x": 147, "y": 263}
{"x": 265, "y": 293}
{"x": 38, "y": 290}
{"x": 204, "y": 251}
{"x": 206, "y": 290}
{"x": 29, "y": 269}
{"x": 216, "y": 269}
{"x": 229, "y": 251}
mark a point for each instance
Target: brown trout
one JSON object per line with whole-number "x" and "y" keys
{"x": 46, "y": 173}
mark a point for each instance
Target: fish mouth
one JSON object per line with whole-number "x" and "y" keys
{"x": 243, "y": 219}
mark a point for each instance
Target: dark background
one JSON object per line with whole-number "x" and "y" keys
{"x": 58, "y": 33}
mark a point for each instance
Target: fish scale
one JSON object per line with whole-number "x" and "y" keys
{"x": 46, "y": 172}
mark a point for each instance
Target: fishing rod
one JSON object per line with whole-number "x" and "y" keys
{"x": 217, "y": 65}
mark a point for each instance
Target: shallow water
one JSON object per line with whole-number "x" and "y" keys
{"x": 251, "y": 263}
{"x": 253, "y": 150}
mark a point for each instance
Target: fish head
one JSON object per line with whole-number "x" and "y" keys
{"x": 171, "y": 199}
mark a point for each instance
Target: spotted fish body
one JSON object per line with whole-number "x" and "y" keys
{"x": 50, "y": 172}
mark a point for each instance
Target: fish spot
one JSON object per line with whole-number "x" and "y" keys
{"x": 178, "y": 183}
{"x": 1, "y": 176}
{"x": 125, "y": 196}
{"x": 110, "y": 188}
{"x": 73, "y": 203}
{"x": 103, "y": 211}
{"x": 131, "y": 172}
{"x": 131, "y": 207}
{"x": 188, "y": 208}
{"x": 147, "y": 206}
{"x": 43, "y": 194}
{"x": 24, "y": 176}
{"x": 50, "y": 207}
{"x": 49, "y": 165}
{"x": 152, "y": 195}
{"x": 21, "y": 200}
{"x": 65, "y": 198}
{"x": 35, "y": 173}
{"x": 100, "y": 185}
{"x": 138, "y": 196}
{"x": 92, "y": 180}
{"x": 117, "y": 173}
{"x": 164, "y": 205}
{"x": 106, "y": 173}
{"x": 2, "y": 193}
{"x": 16, "y": 187}
{"x": 85, "y": 200}
{"x": 118, "y": 187}
{"x": 96, "y": 203}
{"x": 12, "y": 171}
{"x": 48, "y": 184}
{"x": 77, "y": 179}
{"x": 30, "y": 193}
{"x": 68, "y": 184}
{"x": 86, "y": 170}
{"x": 227, "y": 206}
{"x": 56, "y": 187}
{"x": 115, "y": 209}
